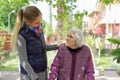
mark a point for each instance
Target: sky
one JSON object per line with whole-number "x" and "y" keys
{"x": 88, "y": 5}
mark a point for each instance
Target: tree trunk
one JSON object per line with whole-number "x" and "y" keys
{"x": 60, "y": 22}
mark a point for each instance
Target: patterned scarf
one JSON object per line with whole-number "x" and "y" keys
{"x": 36, "y": 29}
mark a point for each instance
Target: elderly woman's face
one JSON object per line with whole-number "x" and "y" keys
{"x": 70, "y": 40}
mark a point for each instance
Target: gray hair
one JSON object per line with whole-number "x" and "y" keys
{"x": 78, "y": 36}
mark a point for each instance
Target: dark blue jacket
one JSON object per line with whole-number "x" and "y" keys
{"x": 36, "y": 50}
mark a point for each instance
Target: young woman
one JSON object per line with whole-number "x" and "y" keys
{"x": 28, "y": 40}
{"x": 73, "y": 60}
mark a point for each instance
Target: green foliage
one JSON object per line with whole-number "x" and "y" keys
{"x": 63, "y": 17}
{"x": 115, "y": 52}
{"x": 90, "y": 40}
{"x": 103, "y": 52}
{"x": 6, "y": 7}
{"x": 75, "y": 0}
{"x": 107, "y": 1}
{"x": 10, "y": 64}
{"x": 115, "y": 41}
{"x": 50, "y": 56}
{"x": 48, "y": 29}
{"x": 66, "y": 26}
{"x": 116, "y": 66}
{"x": 79, "y": 18}
{"x": 4, "y": 12}
{"x": 105, "y": 61}
{"x": 3, "y": 28}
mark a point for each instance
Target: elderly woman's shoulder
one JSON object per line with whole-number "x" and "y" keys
{"x": 62, "y": 46}
{"x": 86, "y": 46}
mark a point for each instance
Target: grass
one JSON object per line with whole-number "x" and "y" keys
{"x": 12, "y": 63}
{"x": 50, "y": 56}
{"x": 105, "y": 61}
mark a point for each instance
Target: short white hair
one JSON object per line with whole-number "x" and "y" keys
{"x": 78, "y": 36}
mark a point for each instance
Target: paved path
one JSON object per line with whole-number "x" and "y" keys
{"x": 108, "y": 75}
{"x": 9, "y": 75}
{"x": 107, "y": 78}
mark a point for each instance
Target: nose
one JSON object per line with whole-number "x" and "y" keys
{"x": 66, "y": 39}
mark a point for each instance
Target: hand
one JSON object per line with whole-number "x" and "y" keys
{"x": 37, "y": 79}
{"x": 58, "y": 45}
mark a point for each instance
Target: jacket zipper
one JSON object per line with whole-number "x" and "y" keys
{"x": 73, "y": 66}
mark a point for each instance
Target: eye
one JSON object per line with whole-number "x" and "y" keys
{"x": 70, "y": 36}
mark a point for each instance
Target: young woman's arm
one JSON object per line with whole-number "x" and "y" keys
{"x": 51, "y": 47}
{"x": 23, "y": 58}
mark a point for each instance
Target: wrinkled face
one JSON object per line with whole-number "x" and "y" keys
{"x": 70, "y": 40}
{"x": 36, "y": 22}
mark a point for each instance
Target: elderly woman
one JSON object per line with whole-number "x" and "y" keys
{"x": 73, "y": 60}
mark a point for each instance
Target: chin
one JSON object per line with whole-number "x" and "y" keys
{"x": 69, "y": 46}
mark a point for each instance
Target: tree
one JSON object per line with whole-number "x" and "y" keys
{"x": 6, "y": 7}
{"x": 107, "y": 2}
{"x": 64, "y": 18}
{"x": 79, "y": 19}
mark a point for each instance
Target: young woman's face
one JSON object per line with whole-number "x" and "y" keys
{"x": 70, "y": 40}
{"x": 36, "y": 22}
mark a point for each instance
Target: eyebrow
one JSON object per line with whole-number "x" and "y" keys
{"x": 70, "y": 35}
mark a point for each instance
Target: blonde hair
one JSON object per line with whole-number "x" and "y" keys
{"x": 78, "y": 36}
{"x": 28, "y": 13}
